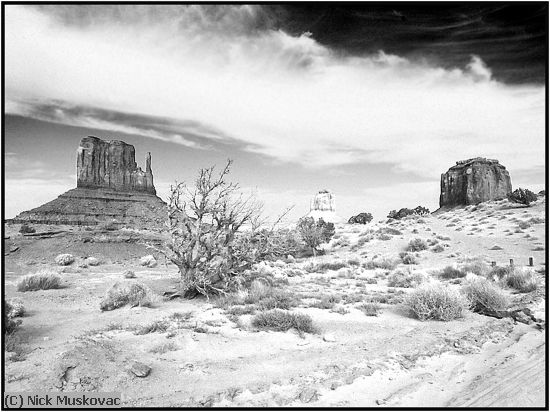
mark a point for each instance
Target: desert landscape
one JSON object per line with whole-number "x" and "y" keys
{"x": 340, "y": 328}
{"x": 276, "y": 205}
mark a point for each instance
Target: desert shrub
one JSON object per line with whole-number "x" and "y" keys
{"x": 370, "y": 308}
{"x": 110, "y": 226}
{"x": 437, "y": 249}
{"x": 416, "y": 245}
{"x": 408, "y": 258}
{"x": 419, "y": 210}
{"x": 405, "y": 279}
{"x": 25, "y": 228}
{"x": 315, "y": 232}
{"x": 270, "y": 244}
{"x": 523, "y": 196}
{"x": 523, "y": 280}
{"x": 17, "y": 308}
{"x": 266, "y": 297}
{"x": 39, "y": 281}
{"x": 92, "y": 261}
{"x": 476, "y": 266}
{"x": 10, "y": 325}
{"x": 148, "y": 261}
{"x": 524, "y": 225}
{"x": 281, "y": 320}
{"x": 122, "y": 294}
{"x": 164, "y": 347}
{"x": 485, "y": 296}
{"x": 390, "y": 231}
{"x": 536, "y": 220}
{"x": 380, "y": 263}
{"x": 129, "y": 274}
{"x": 450, "y": 272}
{"x": 327, "y": 302}
{"x": 383, "y": 236}
{"x": 362, "y": 218}
{"x": 158, "y": 326}
{"x": 322, "y": 267}
{"x": 64, "y": 259}
{"x": 437, "y": 303}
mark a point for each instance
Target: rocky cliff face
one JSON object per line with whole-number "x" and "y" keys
{"x": 111, "y": 188}
{"x": 474, "y": 181}
{"x": 111, "y": 165}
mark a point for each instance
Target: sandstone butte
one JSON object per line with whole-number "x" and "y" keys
{"x": 111, "y": 188}
{"x": 323, "y": 206}
{"x": 474, "y": 181}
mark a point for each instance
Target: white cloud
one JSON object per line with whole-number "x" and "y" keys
{"x": 286, "y": 97}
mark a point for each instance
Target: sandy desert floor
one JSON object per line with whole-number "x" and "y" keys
{"x": 212, "y": 356}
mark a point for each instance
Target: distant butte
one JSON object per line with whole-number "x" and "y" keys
{"x": 111, "y": 188}
{"x": 474, "y": 181}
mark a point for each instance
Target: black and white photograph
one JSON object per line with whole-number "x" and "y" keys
{"x": 274, "y": 205}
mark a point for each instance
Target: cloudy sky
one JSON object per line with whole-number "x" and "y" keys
{"x": 372, "y": 102}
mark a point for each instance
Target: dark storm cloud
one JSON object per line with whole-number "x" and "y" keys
{"x": 510, "y": 38}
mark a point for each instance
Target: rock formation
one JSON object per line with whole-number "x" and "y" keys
{"x": 111, "y": 165}
{"x": 111, "y": 188}
{"x": 474, "y": 181}
{"x": 323, "y": 206}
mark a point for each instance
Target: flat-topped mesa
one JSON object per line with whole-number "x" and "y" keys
{"x": 323, "y": 207}
{"x": 111, "y": 165}
{"x": 324, "y": 200}
{"x": 473, "y": 181}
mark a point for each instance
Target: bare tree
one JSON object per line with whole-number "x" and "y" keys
{"x": 203, "y": 222}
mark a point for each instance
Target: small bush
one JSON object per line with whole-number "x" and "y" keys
{"x": 523, "y": 196}
{"x": 499, "y": 272}
{"x": 164, "y": 347}
{"x": 322, "y": 267}
{"x": 25, "y": 228}
{"x": 39, "y": 281}
{"x": 380, "y": 263}
{"x": 133, "y": 294}
{"x": 484, "y": 296}
{"x": 452, "y": 273}
{"x": 327, "y": 302}
{"x": 437, "y": 303}
{"x": 10, "y": 324}
{"x": 523, "y": 280}
{"x": 280, "y": 320}
{"x": 370, "y": 308}
{"x": 361, "y": 218}
{"x": 417, "y": 245}
{"x": 159, "y": 326}
{"x": 383, "y": 236}
{"x": 408, "y": 258}
{"x": 129, "y": 274}
{"x": 476, "y": 266}
{"x": 438, "y": 249}
{"x": 64, "y": 259}
{"x": 405, "y": 279}
{"x": 92, "y": 261}
{"x": 524, "y": 225}
{"x": 148, "y": 261}
{"x": 17, "y": 308}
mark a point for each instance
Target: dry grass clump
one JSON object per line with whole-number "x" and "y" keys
{"x": 523, "y": 280}
{"x": 408, "y": 258}
{"x": 384, "y": 236}
{"x": 437, "y": 249}
{"x": 148, "y": 261}
{"x": 476, "y": 266}
{"x": 25, "y": 228}
{"x": 450, "y": 272}
{"x": 41, "y": 280}
{"x": 17, "y": 309}
{"x": 64, "y": 259}
{"x": 282, "y": 320}
{"x": 370, "y": 308}
{"x": 327, "y": 302}
{"x": 437, "y": 303}
{"x": 485, "y": 296}
{"x": 405, "y": 279}
{"x": 380, "y": 263}
{"x": 92, "y": 261}
{"x": 259, "y": 296}
{"x": 159, "y": 326}
{"x": 416, "y": 245}
{"x": 524, "y": 224}
{"x": 164, "y": 347}
{"x": 122, "y": 294}
{"x": 322, "y": 267}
